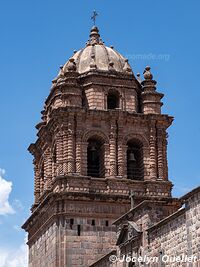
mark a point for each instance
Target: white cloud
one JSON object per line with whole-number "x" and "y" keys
{"x": 14, "y": 258}
{"x": 5, "y": 190}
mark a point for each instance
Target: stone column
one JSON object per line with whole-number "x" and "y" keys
{"x": 71, "y": 146}
{"x": 147, "y": 170}
{"x": 36, "y": 181}
{"x": 59, "y": 154}
{"x": 78, "y": 152}
{"x": 84, "y": 158}
{"x": 165, "y": 162}
{"x": 152, "y": 150}
{"x": 124, "y": 148}
{"x": 78, "y": 143}
{"x": 121, "y": 149}
{"x": 106, "y": 160}
{"x": 160, "y": 153}
{"x": 65, "y": 152}
{"x": 113, "y": 149}
{"x": 47, "y": 169}
{"x": 54, "y": 160}
{"x": 123, "y": 100}
{"x": 120, "y": 159}
{"x": 42, "y": 178}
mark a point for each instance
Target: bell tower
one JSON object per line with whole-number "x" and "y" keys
{"x": 102, "y": 136}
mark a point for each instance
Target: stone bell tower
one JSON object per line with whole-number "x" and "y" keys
{"x": 102, "y": 135}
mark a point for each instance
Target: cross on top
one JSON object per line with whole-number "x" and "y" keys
{"x": 94, "y": 15}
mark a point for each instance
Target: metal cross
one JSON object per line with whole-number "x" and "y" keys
{"x": 132, "y": 196}
{"x": 94, "y": 15}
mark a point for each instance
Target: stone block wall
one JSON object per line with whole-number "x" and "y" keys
{"x": 73, "y": 242}
{"x": 193, "y": 223}
{"x": 42, "y": 252}
{"x": 169, "y": 239}
{"x": 180, "y": 233}
{"x": 94, "y": 241}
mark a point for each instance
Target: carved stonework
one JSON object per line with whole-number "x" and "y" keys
{"x": 102, "y": 135}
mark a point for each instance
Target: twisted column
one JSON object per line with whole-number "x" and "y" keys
{"x": 59, "y": 154}
{"x": 41, "y": 174}
{"x": 106, "y": 160}
{"x": 121, "y": 150}
{"x": 36, "y": 181}
{"x": 152, "y": 147}
{"x": 78, "y": 152}
{"x": 65, "y": 152}
{"x": 160, "y": 154}
{"x": 120, "y": 159}
{"x": 47, "y": 169}
{"x": 71, "y": 146}
{"x": 79, "y": 133}
{"x": 84, "y": 157}
{"x": 165, "y": 162}
{"x": 124, "y": 148}
{"x": 113, "y": 150}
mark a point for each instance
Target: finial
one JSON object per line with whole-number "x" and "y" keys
{"x": 93, "y": 17}
{"x": 111, "y": 65}
{"x": 147, "y": 73}
{"x": 94, "y": 36}
{"x": 127, "y": 67}
{"x": 71, "y": 65}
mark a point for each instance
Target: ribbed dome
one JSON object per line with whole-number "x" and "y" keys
{"x": 97, "y": 56}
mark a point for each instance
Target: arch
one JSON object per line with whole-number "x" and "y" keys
{"x": 97, "y": 134}
{"x": 135, "y": 159}
{"x": 137, "y": 137}
{"x": 95, "y": 157}
{"x": 95, "y": 153}
{"x": 135, "y": 166}
{"x": 113, "y": 99}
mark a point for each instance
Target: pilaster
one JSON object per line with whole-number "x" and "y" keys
{"x": 71, "y": 144}
{"x": 153, "y": 154}
{"x": 113, "y": 149}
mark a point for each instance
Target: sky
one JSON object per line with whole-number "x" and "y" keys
{"x": 39, "y": 36}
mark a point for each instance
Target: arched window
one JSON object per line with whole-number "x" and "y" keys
{"x": 95, "y": 158}
{"x": 113, "y": 100}
{"x": 135, "y": 169}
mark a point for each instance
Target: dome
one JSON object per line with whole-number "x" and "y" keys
{"x": 96, "y": 56}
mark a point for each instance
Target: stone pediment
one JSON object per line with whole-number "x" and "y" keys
{"x": 128, "y": 232}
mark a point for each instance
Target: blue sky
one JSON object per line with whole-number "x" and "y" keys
{"x": 39, "y": 36}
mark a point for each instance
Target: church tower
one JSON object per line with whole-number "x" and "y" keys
{"x": 102, "y": 136}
